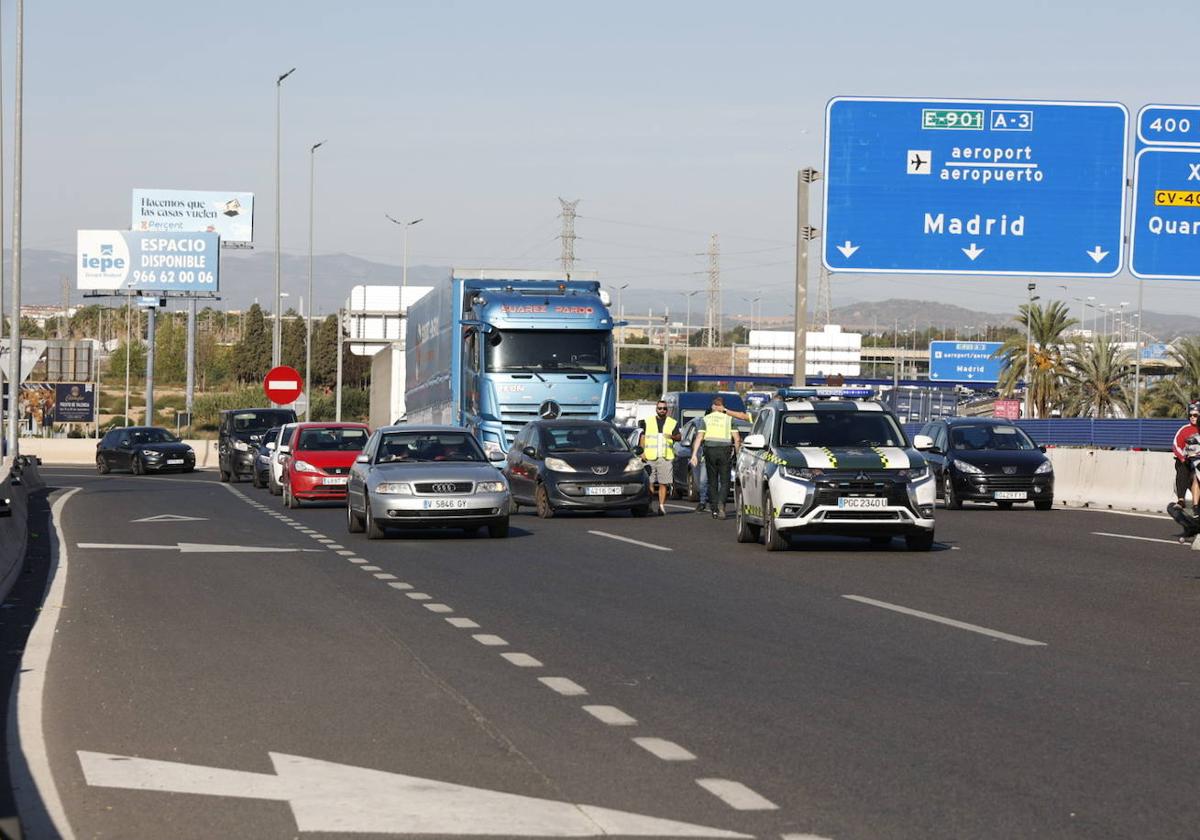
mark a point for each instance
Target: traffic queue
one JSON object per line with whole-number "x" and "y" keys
{"x": 820, "y": 461}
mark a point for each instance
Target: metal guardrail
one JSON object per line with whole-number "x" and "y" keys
{"x": 1157, "y": 435}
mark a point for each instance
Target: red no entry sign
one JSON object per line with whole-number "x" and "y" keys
{"x": 283, "y": 385}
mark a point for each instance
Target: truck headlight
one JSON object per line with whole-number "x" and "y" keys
{"x": 490, "y": 487}
{"x": 1044, "y": 467}
{"x": 241, "y": 446}
{"x": 491, "y": 447}
{"x": 558, "y": 465}
{"x": 393, "y": 488}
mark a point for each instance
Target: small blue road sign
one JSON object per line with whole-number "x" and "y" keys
{"x": 975, "y": 187}
{"x": 964, "y": 361}
{"x": 1168, "y": 125}
{"x": 1165, "y": 242}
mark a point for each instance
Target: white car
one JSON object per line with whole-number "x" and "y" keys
{"x": 279, "y": 459}
{"x": 832, "y": 461}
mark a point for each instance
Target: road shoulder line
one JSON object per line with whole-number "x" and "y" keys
{"x": 950, "y": 622}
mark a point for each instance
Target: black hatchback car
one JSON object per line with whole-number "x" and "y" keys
{"x": 576, "y": 465}
{"x": 143, "y": 449}
{"x": 979, "y": 459}
{"x": 242, "y": 431}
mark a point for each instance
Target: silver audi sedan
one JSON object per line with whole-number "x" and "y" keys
{"x": 425, "y": 477}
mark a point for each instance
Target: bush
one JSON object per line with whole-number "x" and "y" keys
{"x": 356, "y": 405}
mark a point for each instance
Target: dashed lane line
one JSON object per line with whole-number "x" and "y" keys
{"x": 563, "y": 686}
{"x": 370, "y": 568}
{"x": 631, "y": 541}
{"x": 950, "y": 622}
{"x": 521, "y": 660}
{"x": 489, "y": 640}
{"x": 438, "y": 608}
{"x": 736, "y": 795}
{"x": 610, "y": 715}
{"x": 346, "y": 553}
{"x": 400, "y": 585}
{"x": 1132, "y": 537}
{"x": 420, "y": 596}
{"x": 664, "y": 749}
{"x": 460, "y": 622}
{"x": 384, "y": 576}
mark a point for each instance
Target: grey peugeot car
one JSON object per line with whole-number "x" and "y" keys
{"x": 425, "y": 477}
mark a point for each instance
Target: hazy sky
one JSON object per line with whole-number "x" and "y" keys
{"x": 670, "y": 121}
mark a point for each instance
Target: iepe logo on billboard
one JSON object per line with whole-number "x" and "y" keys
{"x": 103, "y": 260}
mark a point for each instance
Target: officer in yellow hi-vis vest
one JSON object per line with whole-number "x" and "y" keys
{"x": 715, "y": 431}
{"x": 658, "y": 444}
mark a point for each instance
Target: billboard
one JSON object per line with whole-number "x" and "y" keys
{"x": 229, "y": 214}
{"x": 131, "y": 261}
{"x": 74, "y": 402}
{"x": 965, "y": 361}
{"x": 1007, "y": 409}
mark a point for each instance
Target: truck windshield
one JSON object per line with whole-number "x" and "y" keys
{"x": 523, "y": 351}
{"x": 839, "y": 428}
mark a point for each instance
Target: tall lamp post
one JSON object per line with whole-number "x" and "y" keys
{"x": 687, "y": 337}
{"x": 620, "y": 337}
{"x": 277, "y": 335}
{"x": 1029, "y": 345}
{"x": 14, "y": 347}
{"x": 404, "y": 275}
{"x": 312, "y": 170}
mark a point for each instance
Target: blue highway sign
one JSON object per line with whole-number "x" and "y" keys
{"x": 1165, "y": 243}
{"x": 975, "y": 187}
{"x": 964, "y": 361}
{"x": 1168, "y": 125}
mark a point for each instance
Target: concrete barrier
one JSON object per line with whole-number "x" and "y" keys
{"x": 1113, "y": 479}
{"x": 14, "y": 531}
{"x": 83, "y": 450}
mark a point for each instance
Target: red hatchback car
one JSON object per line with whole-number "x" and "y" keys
{"x": 319, "y": 457}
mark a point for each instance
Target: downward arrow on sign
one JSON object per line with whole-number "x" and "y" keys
{"x": 848, "y": 249}
{"x": 1096, "y": 254}
{"x": 973, "y": 252}
{"x": 329, "y": 797}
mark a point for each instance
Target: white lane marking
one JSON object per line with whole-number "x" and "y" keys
{"x": 356, "y": 560}
{"x": 628, "y": 540}
{"x": 736, "y": 795}
{"x": 438, "y": 608}
{"x": 419, "y": 596}
{"x": 664, "y": 749}
{"x": 489, "y": 640}
{"x": 681, "y": 507}
{"x": 370, "y": 568}
{"x": 564, "y": 686}
{"x": 458, "y": 621}
{"x": 201, "y": 548}
{"x": 610, "y": 715}
{"x": 400, "y": 585}
{"x": 325, "y": 540}
{"x": 1132, "y": 537}
{"x": 522, "y": 660}
{"x": 27, "y": 753}
{"x": 961, "y": 625}
{"x": 384, "y": 576}
{"x": 802, "y": 837}
{"x": 346, "y": 553}
{"x": 335, "y": 546}
{"x": 1122, "y": 512}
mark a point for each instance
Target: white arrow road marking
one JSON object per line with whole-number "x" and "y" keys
{"x": 171, "y": 517}
{"x": 201, "y": 548}
{"x": 1096, "y": 254}
{"x": 848, "y": 249}
{"x": 325, "y": 796}
{"x": 973, "y": 252}
{"x": 961, "y": 625}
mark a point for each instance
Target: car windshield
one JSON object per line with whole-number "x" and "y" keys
{"x": 990, "y": 437}
{"x": 598, "y": 438}
{"x": 259, "y": 420}
{"x": 586, "y": 351}
{"x": 424, "y": 447}
{"x": 151, "y": 436}
{"x": 839, "y": 428}
{"x": 332, "y": 440}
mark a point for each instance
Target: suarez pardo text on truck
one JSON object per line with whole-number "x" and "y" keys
{"x": 493, "y": 349}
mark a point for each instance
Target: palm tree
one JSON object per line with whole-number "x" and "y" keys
{"x": 1169, "y": 396}
{"x": 1094, "y": 379}
{"x": 1047, "y": 327}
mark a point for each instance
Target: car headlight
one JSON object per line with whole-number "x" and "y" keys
{"x": 490, "y": 487}
{"x": 150, "y": 453}
{"x": 304, "y": 467}
{"x": 915, "y": 473}
{"x": 1044, "y": 467}
{"x": 241, "y": 446}
{"x": 970, "y": 469}
{"x": 558, "y": 465}
{"x": 635, "y": 464}
{"x": 393, "y": 488}
{"x": 804, "y": 473}
{"x": 490, "y": 447}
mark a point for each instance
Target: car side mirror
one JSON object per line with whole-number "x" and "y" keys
{"x": 639, "y": 450}
{"x": 923, "y": 443}
{"x": 1042, "y": 449}
{"x": 530, "y": 452}
{"x": 285, "y": 448}
{"x": 363, "y": 459}
{"x": 496, "y": 455}
{"x": 755, "y": 442}
{"x": 270, "y": 444}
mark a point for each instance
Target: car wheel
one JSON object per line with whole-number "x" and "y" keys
{"x": 880, "y": 541}
{"x": 354, "y": 523}
{"x": 514, "y": 507}
{"x": 374, "y": 532}
{"x": 274, "y": 486}
{"x": 772, "y": 539}
{"x": 746, "y": 531}
{"x": 1004, "y": 505}
{"x": 640, "y": 511}
{"x": 137, "y": 466}
{"x": 693, "y": 493}
{"x": 224, "y": 477}
{"x": 1044, "y": 504}
{"x": 289, "y": 498}
{"x": 498, "y": 530}
{"x": 541, "y": 499}
{"x": 101, "y": 465}
{"x": 258, "y": 482}
{"x": 950, "y": 500}
{"x": 189, "y": 469}
{"x": 919, "y": 542}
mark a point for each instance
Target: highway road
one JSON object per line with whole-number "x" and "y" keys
{"x": 256, "y": 672}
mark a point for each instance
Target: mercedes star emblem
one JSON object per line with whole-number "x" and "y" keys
{"x": 549, "y": 410}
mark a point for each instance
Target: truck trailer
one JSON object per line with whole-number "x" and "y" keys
{"x": 493, "y": 349}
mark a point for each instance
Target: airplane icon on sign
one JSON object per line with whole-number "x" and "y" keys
{"x": 919, "y": 161}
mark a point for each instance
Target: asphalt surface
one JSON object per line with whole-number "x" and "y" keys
{"x": 821, "y": 691}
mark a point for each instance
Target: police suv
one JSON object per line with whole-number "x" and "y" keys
{"x": 831, "y": 461}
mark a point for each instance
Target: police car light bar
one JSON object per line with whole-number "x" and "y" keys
{"x": 828, "y": 393}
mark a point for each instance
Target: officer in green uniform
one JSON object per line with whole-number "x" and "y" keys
{"x": 716, "y": 434}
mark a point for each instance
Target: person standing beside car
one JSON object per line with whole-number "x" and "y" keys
{"x": 1183, "y": 468}
{"x": 657, "y": 441}
{"x": 716, "y": 433}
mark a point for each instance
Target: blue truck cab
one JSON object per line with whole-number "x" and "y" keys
{"x": 493, "y": 349}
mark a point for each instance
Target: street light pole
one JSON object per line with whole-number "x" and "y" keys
{"x": 1029, "y": 346}
{"x": 404, "y": 275}
{"x": 687, "y": 337}
{"x": 620, "y": 337}
{"x": 14, "y": 346}
{"x": 312, "y": 170}
{"x": 276, "y": 334}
